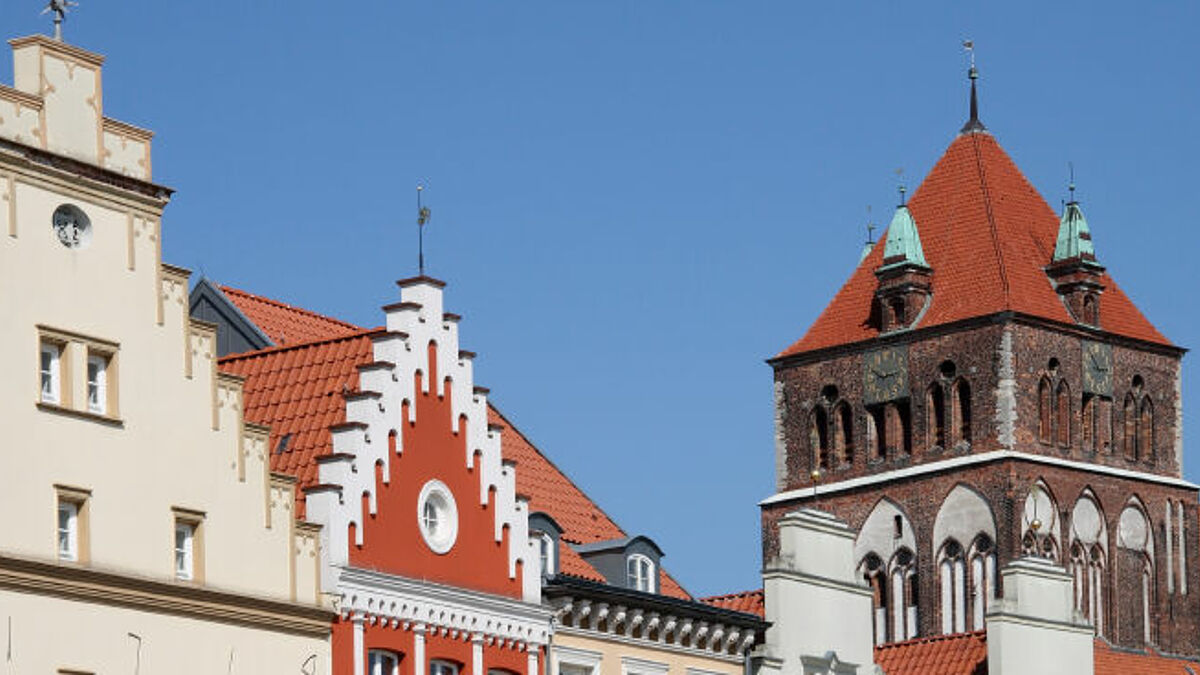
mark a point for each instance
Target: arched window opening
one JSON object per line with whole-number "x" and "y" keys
{"x": 983, "y": 579}
{"x": 1090, "y": 313}
{"x": 1104, "y": 424}
{"x": 961, "y": 419}
{"x": 904, "y": 598}
{"x": 1087, "y": 426}
{"x": 935, "y": 417}
{"x": 1130, "y": 423}
{"x": 875, "y": 444}
{"x": 1087, "y": 571}
{"x": 381, "y": 662}
{"x": 1147, "y": 589}
{"x": 952, "y": 572}
{"x": 1044, "y": 416}
{"x": 843, "y": 434}
{"x": 818, "y": 437}
{"x": 1146, "y": 430}
{"x": 898, "y": 428}
{"x": 897, "y": 308}
{"x": 876, "y": 577}
{"x": 1062, "y": 409}
{"x": 640, "y": 573}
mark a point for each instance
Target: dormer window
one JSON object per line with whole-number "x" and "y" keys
{"x": 640, "y": 573}
{"x": 545, "y": 544}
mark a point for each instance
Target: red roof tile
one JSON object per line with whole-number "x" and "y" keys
{"x": 282, "y": 322}
{"x": 961, "y": 654}
{"x": 750, "y": 602}
{"x": 966, "y": 654}
{"x": 988, "y": 236}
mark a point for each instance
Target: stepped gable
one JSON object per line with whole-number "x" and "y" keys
{"x": 748, "y": 602}
{"x": 988, "y": 236}
{"x": 286, "y": 324}
{"x": 298, "y": 390}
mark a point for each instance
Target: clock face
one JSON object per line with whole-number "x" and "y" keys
{"x": 1097, "y": 368}
{"x": 885, "y": 375}
{"x": 72, "y": 226}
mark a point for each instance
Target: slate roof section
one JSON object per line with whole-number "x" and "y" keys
{"x": 286, "y": 324}
{"x": 749, "y": 602}
{"x": 988, "y": 235}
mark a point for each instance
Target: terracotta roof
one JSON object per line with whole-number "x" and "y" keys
{"x": 750, "y": 602}
{"x": 961, "y": 654}
{"x": 988, "y": 235}
{"x": 297, "y": 390}
{"x": 1111, "y": 661}
{"x": 282, "y": 322}
{"x": 966, "y": 654}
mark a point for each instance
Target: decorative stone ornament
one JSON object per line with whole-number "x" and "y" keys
{"x": 437, "y": 516}
{"x": 72, "y": 226}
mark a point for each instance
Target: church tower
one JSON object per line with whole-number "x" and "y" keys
{"x": 981, "y": 389}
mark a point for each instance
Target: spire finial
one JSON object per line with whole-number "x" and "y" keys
{"x": 59, "y": 8}
{"x": 423, "y": 215}
{"x": 1071, "y": 184}
{"x": 973, "y": 124}
{"x": 901, "y": 187}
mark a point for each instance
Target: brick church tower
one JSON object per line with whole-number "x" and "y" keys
{"x": 981, "y": 389}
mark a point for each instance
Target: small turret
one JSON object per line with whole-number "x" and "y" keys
{"x": 1077, "y": 277}
{"x": 904, "y": 276}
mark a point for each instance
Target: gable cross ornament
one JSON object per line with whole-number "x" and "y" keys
{"x": 60, "y": 9}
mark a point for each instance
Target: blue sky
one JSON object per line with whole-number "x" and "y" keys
{"x": 635, "y": 203}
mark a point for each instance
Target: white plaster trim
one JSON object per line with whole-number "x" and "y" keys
{"x": 442, "y": 543}
{"x": 398, "y": 599}
{"x": 644, "y": 644}
{"x": 969, "y": 460}
{"x": 634, "y": 666}
{"x": 580, "y": 658}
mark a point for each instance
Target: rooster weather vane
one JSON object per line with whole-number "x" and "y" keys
{"x": 60, "y": 9}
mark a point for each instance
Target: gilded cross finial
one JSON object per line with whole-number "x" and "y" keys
{"x": 59, "y": 8}
{"x": 423, "y": 215}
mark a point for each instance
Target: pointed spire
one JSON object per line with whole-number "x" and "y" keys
{"x": 973, "y": 124}
{"x": 1074, "y": 237}
{"x": 903, "y": 244}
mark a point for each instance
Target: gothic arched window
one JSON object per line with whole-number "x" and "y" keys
{"x": 818, "y": 437}
{"x": 935, "y": 417}
{"x": 1062, "y": 409}
{"x": 1130, "y": 428}
{"x": 1146, "y": 430}
{"x": 961, "y": 419}
{"x": 843, "y": 434}
{"x": 952, "y": 573}
{"x": 1087, "y": 426}
{"x": 903, "y": 574}
{"x": 983, "y": 579}
{"x": 1044, "y": 411}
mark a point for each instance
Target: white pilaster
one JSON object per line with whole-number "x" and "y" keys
{"x": 533, "y": 661}
{"x": 477, "y": 654}
{"x": 360, "y": 653}
{"x": 419, "y": 667}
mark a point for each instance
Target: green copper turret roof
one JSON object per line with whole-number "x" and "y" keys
{"x": 903, "y": 245}
{"x": 1074, "y": 237}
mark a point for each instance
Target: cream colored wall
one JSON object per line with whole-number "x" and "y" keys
{"x": 612, "y": 651}
{"x": 93, "y": 638}
{"x": 178, "y": 441}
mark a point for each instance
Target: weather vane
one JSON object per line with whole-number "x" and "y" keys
{"x": 969, "y": 48}
{"x": 60, "y": 9}
{"x": 422, "y": 218}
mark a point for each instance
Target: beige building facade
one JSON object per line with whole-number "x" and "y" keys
{"x": 150, "y": 535}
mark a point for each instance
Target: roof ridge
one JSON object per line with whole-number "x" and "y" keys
{"x": 535, "y": 448}
{"x": 284, "y": 305}
{"x": 358, "y": 333}
{"x": 735, "y": 594}
{"x": 991, "y": 217}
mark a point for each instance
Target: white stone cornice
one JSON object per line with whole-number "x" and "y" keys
{"x": 443, "y": 610}
{"x": 970, "y": 460}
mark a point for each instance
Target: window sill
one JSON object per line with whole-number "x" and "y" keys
{"x": 81, "y": 414}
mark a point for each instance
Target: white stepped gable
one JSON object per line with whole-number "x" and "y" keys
{"x": 362, "y": 442}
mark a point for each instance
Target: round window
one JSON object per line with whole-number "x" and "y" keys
{"x": 437, "y": 516}
{"x": 72, "y": 226}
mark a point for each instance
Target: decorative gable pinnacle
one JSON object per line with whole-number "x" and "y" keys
{"x": 903, "y": 244}
{"x": 1074, "y": 237}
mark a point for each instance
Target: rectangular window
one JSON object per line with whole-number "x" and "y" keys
{"x": 442, "y": 668}
{"x": 68, "y": 530}
{"x": 70, "y": 539}
{"x": 188, "y": 545}
{"x": 51, "y": 381}
{"x": 380, "y": 662}
{"x": 97, "y": 383}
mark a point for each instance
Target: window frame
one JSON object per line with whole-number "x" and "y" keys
{"x": 443, "y": 667}
{"x": 381, "y": 654}
{"x": 645, "y": 565}
{"x": 76, "y": 353}
{"x": 50, "y": 373}
{"x": 192, "y": 521}
{"x": 97, "y": 404}
{"x": 77, "y": 501}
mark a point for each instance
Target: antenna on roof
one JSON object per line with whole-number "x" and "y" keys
{"x": 973, "y": 124}
{"x": 60, "y": 8}
{"x": 423, "y": 215}
{"x": 1071, "y": 184}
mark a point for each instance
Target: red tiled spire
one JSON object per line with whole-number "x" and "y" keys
{"x": 988, "y": 235}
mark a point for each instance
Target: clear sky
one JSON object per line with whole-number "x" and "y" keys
{"x": 636, "y": 202}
